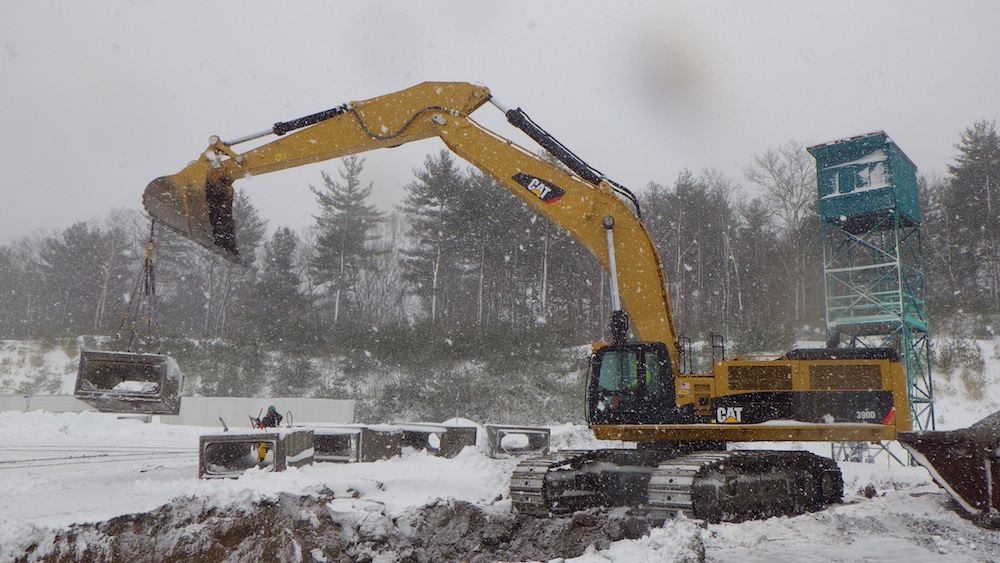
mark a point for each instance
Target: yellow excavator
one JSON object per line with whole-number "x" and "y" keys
{"x": 638, "y": 390}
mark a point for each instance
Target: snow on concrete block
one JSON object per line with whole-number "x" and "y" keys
{"x": 438, "y": 439}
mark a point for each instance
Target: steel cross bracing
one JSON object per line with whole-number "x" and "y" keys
{"x": 875, "y": 295}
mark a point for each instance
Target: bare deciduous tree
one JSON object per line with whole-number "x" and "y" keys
{"x": 787, "y": 175}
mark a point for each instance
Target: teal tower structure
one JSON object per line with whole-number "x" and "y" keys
{"x": 873, "y": 271}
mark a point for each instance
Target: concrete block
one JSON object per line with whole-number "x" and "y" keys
{"x": 230, "y": 454}
{"x": 337, "y": 442}
{"x": 516, "y": 441}
{"x": 124, "y": 382}
{"x": 350, "y": 443}
{"x": 438, "y": 439}
{"x": 380, "y": 442}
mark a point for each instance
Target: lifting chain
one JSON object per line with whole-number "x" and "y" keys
{"x": 141, "y": 306}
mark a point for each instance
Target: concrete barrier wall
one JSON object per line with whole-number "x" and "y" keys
{"x": 205, "y": 411}
{"x": 51, "y": 403}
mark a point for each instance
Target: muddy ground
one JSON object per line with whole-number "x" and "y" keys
{"x": 322, "y": 528}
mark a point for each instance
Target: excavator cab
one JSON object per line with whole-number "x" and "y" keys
{"x": 631, "y": 383}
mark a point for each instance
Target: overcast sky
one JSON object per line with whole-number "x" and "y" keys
{"x": 98, "y": 98}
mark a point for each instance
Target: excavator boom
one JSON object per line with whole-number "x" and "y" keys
{"x": 197, "y": 201}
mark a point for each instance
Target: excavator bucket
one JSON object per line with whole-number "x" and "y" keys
{"x": 124, "y": 382}
{"x": 966, "y": 463}
{"x": 197, "y": 206}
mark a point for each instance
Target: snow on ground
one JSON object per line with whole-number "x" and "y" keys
{"x": 60, "y": 469}
{"x": 909, "y": 519}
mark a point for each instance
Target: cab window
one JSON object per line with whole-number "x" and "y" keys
{"x": 619, "y": 371}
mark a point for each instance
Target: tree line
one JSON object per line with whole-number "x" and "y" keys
{"x": 459, "y": 258}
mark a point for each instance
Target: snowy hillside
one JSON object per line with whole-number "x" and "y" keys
{"x": 29, "y": 367}
{"x": 90, "y": 487}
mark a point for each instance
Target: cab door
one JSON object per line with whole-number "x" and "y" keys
{"x": 631, "y": 384}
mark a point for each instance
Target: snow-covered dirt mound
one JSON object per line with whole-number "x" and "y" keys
{"x": 323, "y": 527}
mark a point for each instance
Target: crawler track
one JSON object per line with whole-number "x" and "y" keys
{"x": 716, "y": 486}
{"x": 532, "y": 488}
{"x": 671, "y": 488}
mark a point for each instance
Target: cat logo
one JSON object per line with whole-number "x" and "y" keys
{"x": 546, "y": 191}
{"x": 729, "y": 415}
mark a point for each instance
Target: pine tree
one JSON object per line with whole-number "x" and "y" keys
{"x": 202, "y": 292}
{"x": 379, "y": 293}
{"x": 346, "y": 228}
{"x": 505, "y": 269}
{"x": 278, "y": 311}
{"x": 433, "y": 265}
{"x": 759, "y": 313}
{"x": 972, "y": 204}
{"x": 690, "y": 225}
{"x": 947, "y": 273}
{"x": 76, "y": 268}
{"x": 12, "y": 309}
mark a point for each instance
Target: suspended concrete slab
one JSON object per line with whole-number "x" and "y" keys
{"x": 124, "y": 382}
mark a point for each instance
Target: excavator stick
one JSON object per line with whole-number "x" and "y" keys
{"x": 197, "y": 201}
{"x": 124, "y": 382}
{"x": 966, "y": 463}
